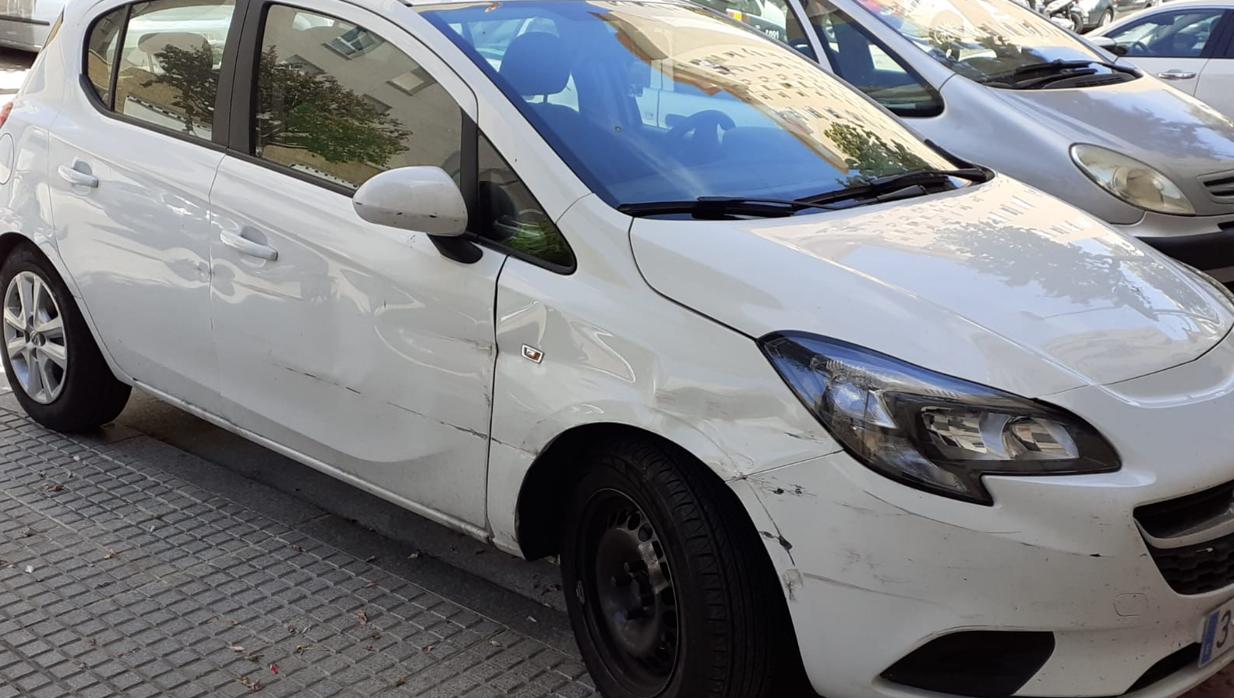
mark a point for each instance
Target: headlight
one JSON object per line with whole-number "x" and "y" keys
{"x": 931, "y": 431}
{"x": 1131, "y": 180}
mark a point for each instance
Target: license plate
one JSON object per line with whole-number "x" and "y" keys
{"x": 1218, "y": 634}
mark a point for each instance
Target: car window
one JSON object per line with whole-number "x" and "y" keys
{"x": 339, "y": 103}
{"x": 511, "y": 216}
{"x": 675, "y": 102}
{"x": 168, "y": 68}
{"x": 1181, "y": 34}
{"x": 775, "y": 18}
{"x": 101, "y": 46}
{"x": 867, "y": 65}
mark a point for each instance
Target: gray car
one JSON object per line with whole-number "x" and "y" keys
{"x": 995, "y": 83}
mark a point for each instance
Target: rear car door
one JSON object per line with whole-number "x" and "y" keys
{"x": 133, "y": 155}
{"x": 1174, "y": 45}
{"x": 358, "y": 347}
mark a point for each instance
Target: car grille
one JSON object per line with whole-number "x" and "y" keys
{"x": 1220, "y": 186}
{"x": 1198, "y": 569}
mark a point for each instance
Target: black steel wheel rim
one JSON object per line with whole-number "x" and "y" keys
{"x": 627, "y": 589}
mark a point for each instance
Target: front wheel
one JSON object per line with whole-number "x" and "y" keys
{"x": 53, "y": 365}
{"x": 669, "y": 589}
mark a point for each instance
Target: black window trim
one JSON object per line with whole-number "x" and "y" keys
{"x": 874, "y": 40}
{"x": 241, "y": 142}
{"x": 222, "y": 103}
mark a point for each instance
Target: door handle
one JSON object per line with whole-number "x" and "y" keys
{"x": 75, "y": 176}
{"x": 1176, "y": 75}
{"x": 246, "y": 246}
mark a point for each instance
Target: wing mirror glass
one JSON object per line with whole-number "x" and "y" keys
{"x": 1107, "y": 44}
{"x": 422, "y": 198}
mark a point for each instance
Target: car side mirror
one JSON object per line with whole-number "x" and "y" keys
{"x": 422, "y": 198}
{"x": 1107, "y": 44}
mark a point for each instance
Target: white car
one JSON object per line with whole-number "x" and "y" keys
{"x": 1189, "y": 43}
{"x": 790, "y": 393}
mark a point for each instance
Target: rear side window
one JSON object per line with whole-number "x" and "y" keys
{"x": 101, "y": 48}
{"x": 166, "y": 70}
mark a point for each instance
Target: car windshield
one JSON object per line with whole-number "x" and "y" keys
{"x": 653, "y": 102}
{"x": 985, "y": 40}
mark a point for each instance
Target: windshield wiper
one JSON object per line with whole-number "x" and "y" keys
{"x": 719, "y": 207}
{"x": 899, "y": 186}
{"x": 1027, "y": 75}
{"x": 889, "y": 188}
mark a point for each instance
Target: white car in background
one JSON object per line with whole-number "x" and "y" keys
{"x": 1188, "y": 43}
{"x": 795, "y": 396}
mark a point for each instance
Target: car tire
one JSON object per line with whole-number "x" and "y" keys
{"x": 669, "y": 588}
{"x": 79, "y": 394}
{"x": 1106, "y": 18}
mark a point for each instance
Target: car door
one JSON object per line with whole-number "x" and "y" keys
{"x": 1174, "y": 45}
{"x": 133, "y": 155}
{"x": 1216, "y": 85}
{"x": 359, "y": 348}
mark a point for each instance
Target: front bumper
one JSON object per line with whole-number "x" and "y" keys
{"x": 874, "y": 570}
{"x": 1204, "y": 242}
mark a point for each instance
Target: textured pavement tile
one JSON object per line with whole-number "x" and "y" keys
{"x": 145, "y": 584}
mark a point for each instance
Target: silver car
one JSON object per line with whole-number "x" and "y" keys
{"x": 993, "y": 82}
{"x": 26, "y": 24}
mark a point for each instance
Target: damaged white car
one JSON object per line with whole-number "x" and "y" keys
{"x": 795, "y": 396}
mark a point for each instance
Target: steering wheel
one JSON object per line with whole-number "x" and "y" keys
{"x": 705, "y": 125}
{"x": 1139, "y": 48}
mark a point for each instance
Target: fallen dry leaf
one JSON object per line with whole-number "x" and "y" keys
{"x": 237, "y": 648}
{"x": 251, "y": 685}
{"x": 362, "y": 617}
{"x": 400, "y": 681}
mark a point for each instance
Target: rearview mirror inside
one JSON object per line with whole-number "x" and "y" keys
{"x": 422, "y": 198}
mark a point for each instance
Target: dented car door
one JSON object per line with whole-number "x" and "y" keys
{"x": 356, "y": 345}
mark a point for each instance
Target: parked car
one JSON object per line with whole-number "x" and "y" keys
{"x": 1189, "y": 43}
{"x": 786, "y": 388}
{"x": 997, "y": 84}
{"x": 26, "y": 24}
{"x": 1100, "y": 13}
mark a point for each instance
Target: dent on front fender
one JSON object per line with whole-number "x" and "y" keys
{"x": 612, "y": 351}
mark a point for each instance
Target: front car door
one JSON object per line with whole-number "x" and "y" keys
{"x": 360, "y": 348}
{"x": 1174, "y": 45}
{"x": 133, "y": 155}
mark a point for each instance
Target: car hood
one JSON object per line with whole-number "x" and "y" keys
{"x": 1146, "y": 119}
{"x": 995, "y": 283}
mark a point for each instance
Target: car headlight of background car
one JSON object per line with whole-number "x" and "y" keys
{"x": 1131, "y": 180}
{"x": 928, "y": 430}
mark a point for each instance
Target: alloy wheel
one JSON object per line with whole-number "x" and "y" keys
{"x": 628, "y": 588}
{"x": 34, "y": 337}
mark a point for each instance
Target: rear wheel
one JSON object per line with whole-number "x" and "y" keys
{"x": 667, "y": 584}
{"x": 1106, "y": 18}
{"x": 53, "y": 365}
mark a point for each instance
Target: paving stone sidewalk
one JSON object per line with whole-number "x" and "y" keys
{"x": 119, "y": 578}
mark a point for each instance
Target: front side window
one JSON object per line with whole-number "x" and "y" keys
{"x": 338, "y": 103}
{"x": 1182, "y": 34}
{"x": 674, "y": 102}
{"x": 168, "y": 68}
{"x": 775, "y": 18}
{"x": 991, "y": 41}
{"x": 510, "y": 216}
{"x": 862, "y": 61}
